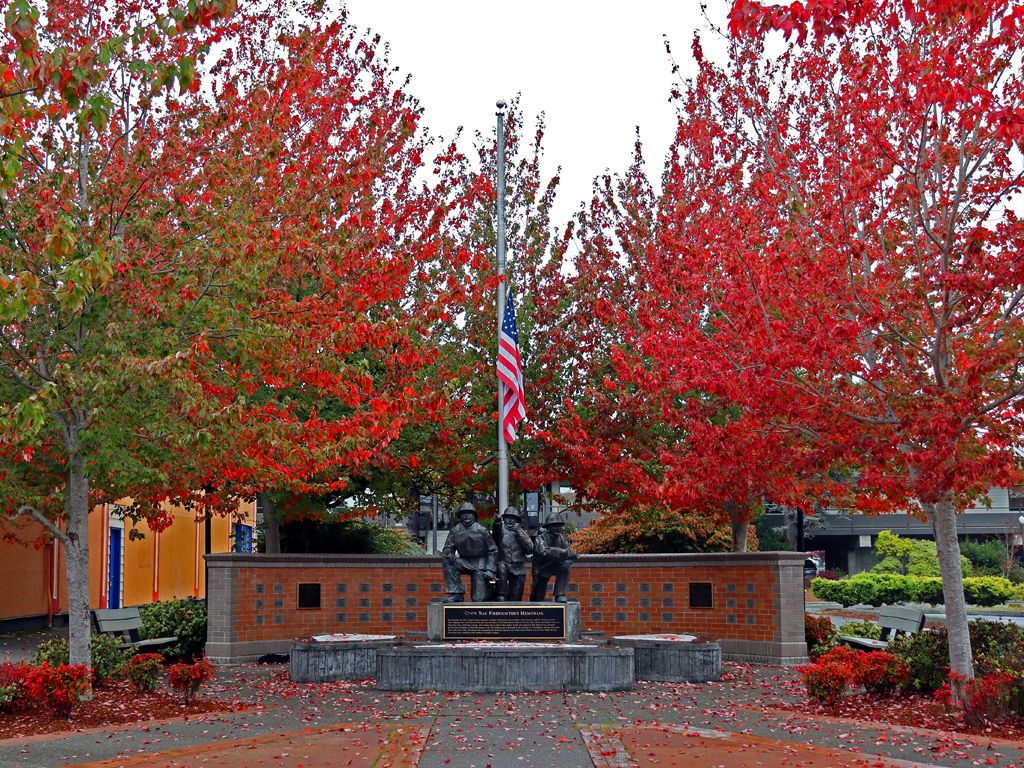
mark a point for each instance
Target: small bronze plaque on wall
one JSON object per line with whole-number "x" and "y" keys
{"x": 309, "y": 595}
{"x": 700, "y": 595}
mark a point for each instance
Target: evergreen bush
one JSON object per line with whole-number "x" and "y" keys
{"x": 184, "y": 618}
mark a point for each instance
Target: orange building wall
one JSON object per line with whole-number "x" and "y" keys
{"x": 26, "y": 576}
{"x": 176, "y": 553}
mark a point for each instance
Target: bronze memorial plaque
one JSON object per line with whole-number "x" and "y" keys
{"x": 520, "y": 621}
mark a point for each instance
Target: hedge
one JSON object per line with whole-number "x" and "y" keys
{"x": 890, "y": 589}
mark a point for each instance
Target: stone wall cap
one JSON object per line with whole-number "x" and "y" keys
{"x": 241, "y": 559}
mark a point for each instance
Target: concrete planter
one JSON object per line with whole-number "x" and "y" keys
{"x": 505, "y": 667}
{"x": 674, "y": 658}
{"x": 328, "y": 661}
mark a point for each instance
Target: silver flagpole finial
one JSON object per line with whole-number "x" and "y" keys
{"x": 501, "y": 106}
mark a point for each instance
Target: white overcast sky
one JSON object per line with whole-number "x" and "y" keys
{"x": 596, "y": 69}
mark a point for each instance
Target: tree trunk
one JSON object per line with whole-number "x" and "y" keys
{"x": 942, "y": 515}
{"x": 740, "y": 531}
{"x": 76, "y": 552}
{"x": 739, "y": 524}
{"x": 272, "y": 526}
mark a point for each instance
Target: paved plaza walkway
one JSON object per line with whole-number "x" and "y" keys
{"x": 719, "y": 725}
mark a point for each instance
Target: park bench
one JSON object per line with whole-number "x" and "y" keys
{"x": 124, "y": 624}
{"x": 894, "y": 621}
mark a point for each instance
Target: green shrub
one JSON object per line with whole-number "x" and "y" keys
{"x": 54, "y": 652}
{"x": 861, "y": 629}
{"x": 988, "y": 590}
{"x": 185, "y": 618}
{"x": 889, "y": 588}
{"x": 920, "y": 557}
{"x": 926, "y": 655}
{"x": 107, "y": 658}
{"x": 928, "y": 590}
{"x": 995, "y": 647}
{"x": 846, "y": 593}
{"x": 826, "y": 589}
{"x": 143, "y": 671}
{"x": 987, "y": 558}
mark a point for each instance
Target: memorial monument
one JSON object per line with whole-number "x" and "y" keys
{"x": 551, "y": 557}
{"x": 514, "y": 544}
{"x": 469, "y": 550}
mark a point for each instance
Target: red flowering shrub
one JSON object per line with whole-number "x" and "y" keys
{"x": 820, "y": 634}
{"x": 880, "y": 671}
{"x": 143, "y": 671}
{"x": 986, "y": 697}
{"x": 14, "y": 693}
{"x": 187, "y": 678}
{"x": 829, "y": 678}
{"x": 60, "y": 686}
{"x": 828, "y": 575}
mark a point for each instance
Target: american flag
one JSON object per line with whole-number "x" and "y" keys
{"x": 510, "y": 374}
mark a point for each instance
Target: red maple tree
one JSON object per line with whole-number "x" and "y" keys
{"x": 845, "y": 249}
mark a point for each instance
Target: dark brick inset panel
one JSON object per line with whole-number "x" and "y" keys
{"x": 597, "y": 617}
{"x": 621, "y": 587}
{"x": 411, "y": 587}
{"x": 387, "y": 587}
{"x": 385, "y": 602}
{"x": 385, "y": 617}
{"x": 597, "y": 601}
{"x": 410, "y": 616}
{"x": 364, "y": 617}
{"x": 341, "y": 602}
{"x": 644, "y": 587}
{"x": 668, "y": 587}
{"x": 364, "y": 587}
{"x": 410, "y": 602}
{"x": 597, "y": 587}
{"x": 645, "y": 617}
{"x": 667, "y": 617}
{"x": 259, "y": 589}
{"x": 341, "y": 587}
{"x": 341, "y": 618}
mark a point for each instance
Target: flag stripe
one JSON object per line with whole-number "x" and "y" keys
{"x": 510, "y": 374}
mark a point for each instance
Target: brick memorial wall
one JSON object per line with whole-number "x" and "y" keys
{"x": 756, "y": 599}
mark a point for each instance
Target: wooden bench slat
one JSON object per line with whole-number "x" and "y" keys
{"x": 118, "y": 625}
{"x": 124, "y": 623}
{"x": 893, "y": 620}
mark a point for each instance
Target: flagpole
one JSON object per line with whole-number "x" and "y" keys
{"x": 502, "y": 500}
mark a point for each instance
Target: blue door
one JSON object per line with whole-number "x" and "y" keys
{"x": 114, "y": 588}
